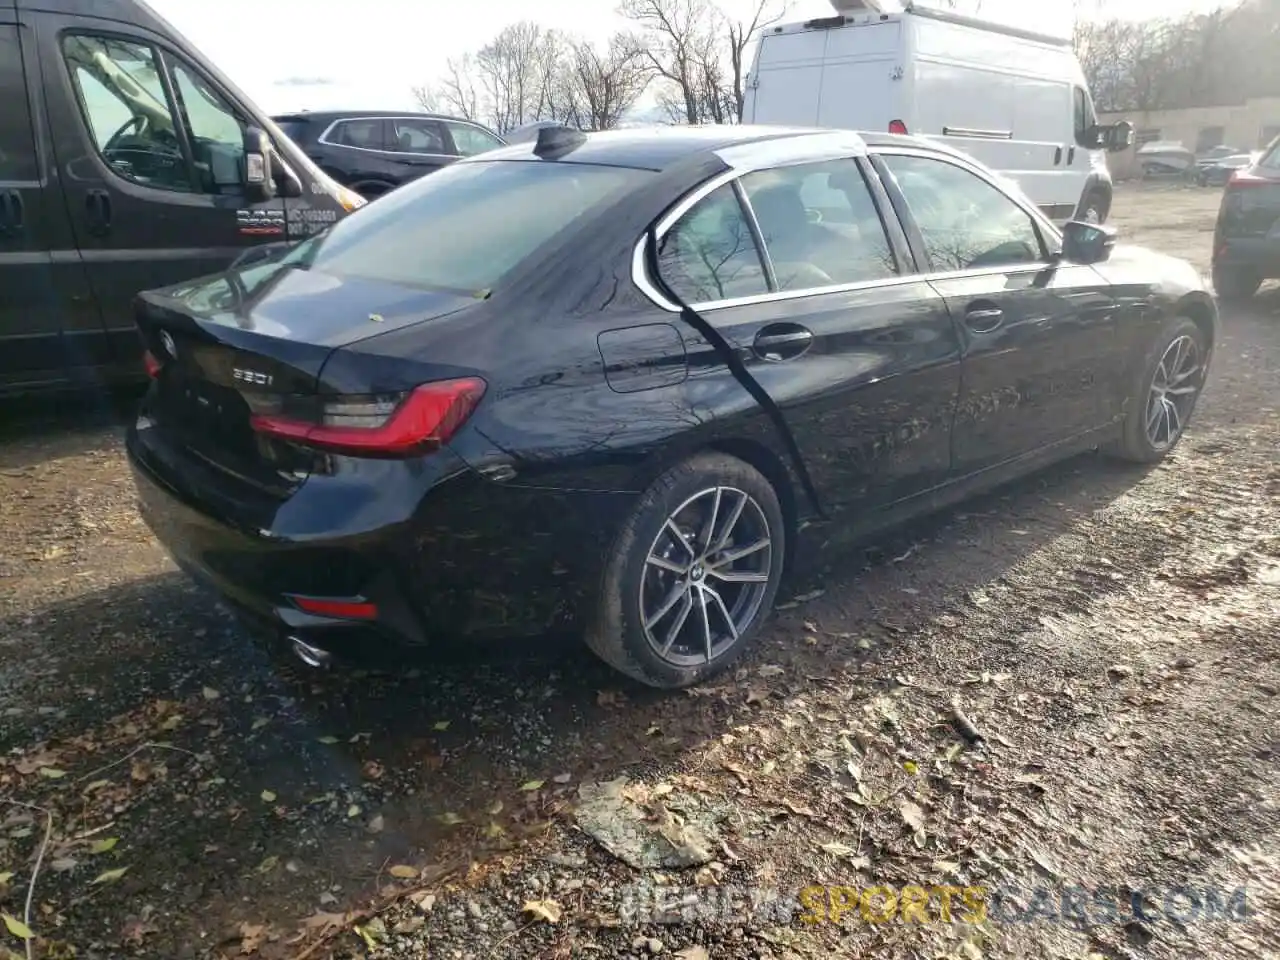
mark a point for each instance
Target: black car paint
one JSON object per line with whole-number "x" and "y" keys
{"x": 505, "y": 531}
{"x": 69, "y": 273}
{"x": 368, "y": 171}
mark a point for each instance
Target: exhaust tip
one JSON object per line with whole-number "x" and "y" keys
{"x": 309, "y": 654}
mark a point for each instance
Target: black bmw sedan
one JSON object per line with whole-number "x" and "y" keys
{"x": 623, "y": 382}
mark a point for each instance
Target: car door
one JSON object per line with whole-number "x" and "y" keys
{"x": 48, "y": 320}
{"x": 419, "y": 145}
{"x": 858, "y": 354}
{"x": 150, "y": 154}
{"x": 1039, "y": 336}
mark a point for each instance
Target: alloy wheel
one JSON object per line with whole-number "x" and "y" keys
{"x": 1173, "y": 392}
{"x": 705, "y": 576}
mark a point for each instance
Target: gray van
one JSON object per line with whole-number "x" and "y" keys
{"x": 127, "y": 162}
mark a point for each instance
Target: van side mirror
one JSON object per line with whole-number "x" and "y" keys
{"x": 1087, "y": 242}
{"x": 1117, "y": 137}
{"x": 259, "y": 180}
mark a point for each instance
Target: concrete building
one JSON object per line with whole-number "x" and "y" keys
{"x": 1248, "y": 126}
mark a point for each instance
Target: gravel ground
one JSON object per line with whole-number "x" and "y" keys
{"x": 1108, "y": 636}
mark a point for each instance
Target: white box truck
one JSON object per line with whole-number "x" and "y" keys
{"x": 1015, "y": 100}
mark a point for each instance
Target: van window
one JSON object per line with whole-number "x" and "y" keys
{"x": 1085, "y": 119}
{"x": 470, "y": 140}
{"x": 965, "y": 222}
{"x": 118, "y": 84}
{"x": 17, "y": 149}
{"x": 819, "y": 224}
{"x": 217, "y": 138}
{"x": 464, "y": 227}
{"x": 710, "y": 253}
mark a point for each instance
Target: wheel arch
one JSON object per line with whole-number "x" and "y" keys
{"x": 1199, "y": 308}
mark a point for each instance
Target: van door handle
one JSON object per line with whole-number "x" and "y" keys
{"x": 984, "y": 319}
{"x": 98, "y": 208}
{"x": 1071, "y": 156}
{"x": 1057, "y": 156}
{"x": 11, "y": 214}
{"x": 782, "y": 341}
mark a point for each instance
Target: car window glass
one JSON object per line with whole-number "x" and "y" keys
{"x": 965, "y": 222}
{"x": 416, "y": 136}
{"x": 366, "y": 134}
{"x": 1271, "y": 160}
{"x": 471, "y": 140}
{"x": 819, "y": 224}
{"x": 466, "y": 226}
{"x": 217, "y": 138}
{"x": 17, "y": 148}
{"x": 125, "y": 108}
{"x": 710, "y": 253}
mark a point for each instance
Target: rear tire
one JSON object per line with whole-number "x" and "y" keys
{"x": 692, "y": 574}
{"x": 1164, "y": 393}
{"x": 1235, "y": 284}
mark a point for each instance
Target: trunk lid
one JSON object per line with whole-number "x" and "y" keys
{"x": 256, "y": 341}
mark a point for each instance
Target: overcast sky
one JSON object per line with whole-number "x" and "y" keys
{"x": 294, "y": 54}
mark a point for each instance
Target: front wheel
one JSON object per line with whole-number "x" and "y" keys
{"x": 1165, "y": 394}
{"x": 692, "y": 574}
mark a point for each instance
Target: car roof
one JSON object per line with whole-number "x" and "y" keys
{"x": 660, "y": 147}
{"x": 328, "y": 116}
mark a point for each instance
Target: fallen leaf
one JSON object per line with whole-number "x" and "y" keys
{"x": 450, "y": 818}
{"x": 53, "y": 773}
{"x": 172, "y": 723}
{"x": 109, "y": 876}
{"x": 696, "y": 952}
{"x": 409, "y": 925}
{"x": 547, "y": 910}
{"x": 376, "y": 824}
{"x": 251, "y": 937}
{"x": 846, "y": 852}
{"x": 5, "y": 877}
{"x": 353, "y": 810}
{"x": 323, "y": 921}
{"x": 17, "y": 927}
{"x": 373, "y": 770}
{"x": 327, "y": 740}
{"x": 771, "y": 670}
{"x": 912, "y": 815}
{"x": 62, "y": 864}
{"x": 260, "y": 722}
{"x": 440, "y": 725}
{"x": 945, "y": 866}
{"x": 402, "y": 871}
{"x": 806, "y": 597}
{"x": 562, "y": 778}
{"x": 96, "y": 785}
{"x": 911, "y": 767}
{"x": 269, "y": 864}
{"x": 268, "y": 796}
{"x": 210, "y": 693}
{"x": 662, "y": 789}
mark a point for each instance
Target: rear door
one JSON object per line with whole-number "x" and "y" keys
{"x": 860, "y": 355}
{"x": 419, "y": 145}
{"x": 151, "y": 154}
{"x": 1040, "y": 339}
{"x": 49, "y": 323}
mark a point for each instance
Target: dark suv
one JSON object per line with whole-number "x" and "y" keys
{"x": 1246, "y": 242}
{"x": 373, "y": 151}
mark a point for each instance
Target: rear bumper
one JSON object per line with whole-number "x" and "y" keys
{"x": 1257, "y": 253}
{"x": 443, "y": 553}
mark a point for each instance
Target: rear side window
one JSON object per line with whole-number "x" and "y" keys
{"x": 17, "y": 149}
{"x": 710, "y": 253}
{"x": 295, "y": 130}
{"x": 365, "y": 134}
{"x": 820, "y": 225}
{"x": 416, "y": 136}
{"x": 467, "y": 226}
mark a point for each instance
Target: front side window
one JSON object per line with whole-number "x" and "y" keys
{"x": 217, "y": 138}
{"x": 965, "y": 222}
{"x": 471, "y": 140}
{"x": 416, "y": 136}
{"x": 118, "y": 85}
{"x": 1085, "y": 119}
{"x": 464, "y": 227}
{"x": 1271, "y": 159}
{"x": 710, "y": 254}
{"x": 819, "y": 224}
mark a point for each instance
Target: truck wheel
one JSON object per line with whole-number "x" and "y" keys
{"x": 692, "y": 574}
{"x": 1235, "y": 284}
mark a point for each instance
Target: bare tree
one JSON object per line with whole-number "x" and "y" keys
{"x": 457, "y": 92}
{"x": 604, "y": 86}
{"x": 741, "y": 34}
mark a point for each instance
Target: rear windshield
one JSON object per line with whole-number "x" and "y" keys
{"x": 466, "y": 226}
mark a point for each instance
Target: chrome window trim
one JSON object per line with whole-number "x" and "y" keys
{"x": 324, "y": 138}
{"x": 789, "y": 151}
{"x": 640, "y": 273}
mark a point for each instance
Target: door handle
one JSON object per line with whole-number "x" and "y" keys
{"x": 1071, "y": 156}
{"x": 12, "y": 218}
{"x": 98, "y": 209}
{"x": 782, "y": 341}
{"x": 984, "y": 319}
{"x": 1057, "y": 156}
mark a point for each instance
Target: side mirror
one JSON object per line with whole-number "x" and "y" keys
{"x": 259, "y": 181}
{"x": 1117, "y": 137}
{"x": 1087, "y": 242}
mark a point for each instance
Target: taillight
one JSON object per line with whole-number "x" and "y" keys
{"x": 897, "y": 126}
{"x": 354, "y": 609}
{"x": 151, "y": 363}
{"x": 390, "y": 426}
